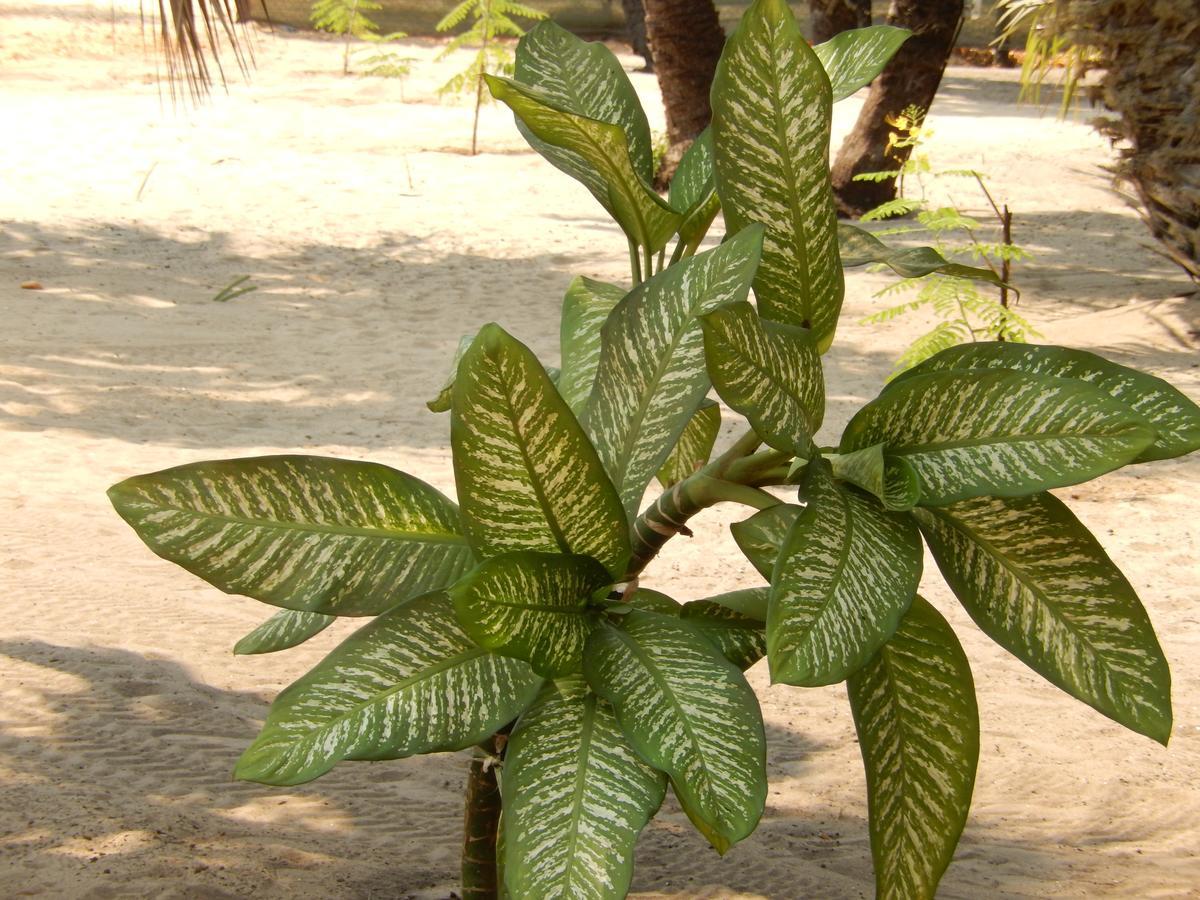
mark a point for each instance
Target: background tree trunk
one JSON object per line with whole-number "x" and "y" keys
{"x": 635, "y": 30}
{"x": 686, "y": 39}
{"x": 911, "y": 78}
{"x": 830, "y": 17}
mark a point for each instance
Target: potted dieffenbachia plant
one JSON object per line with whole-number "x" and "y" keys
{"x": 516, "y": 620}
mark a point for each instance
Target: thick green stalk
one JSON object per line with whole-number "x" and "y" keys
{"x": 479, "y": 874}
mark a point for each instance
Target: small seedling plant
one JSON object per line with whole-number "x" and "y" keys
{"x": 349, "y": 18}
{"x": 523, "y": 620}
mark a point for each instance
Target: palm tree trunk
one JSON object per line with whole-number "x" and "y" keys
{"x": 910, "y": 79}
{"x": 830, "y": 17}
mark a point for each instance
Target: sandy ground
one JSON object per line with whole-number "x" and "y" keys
{"x": 374, "y": 243}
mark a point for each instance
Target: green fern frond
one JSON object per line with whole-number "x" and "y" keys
{"x": 901, "y": 206}
{"x": 946, "y": 218}
{"x": 455, "y": 17}
{"x": 961, "y": 173}
{"x": 877, "y": 176}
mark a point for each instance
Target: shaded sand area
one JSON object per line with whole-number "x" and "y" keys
{"x": 374, "y": 243}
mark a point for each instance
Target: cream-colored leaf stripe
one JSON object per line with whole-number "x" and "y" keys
{"x": 688, "y": 712}
{"x": 1003, "y": 433}
{"x": 284, "y": 630}
{"x": 409, "y": 682}
{"x": 585, "y": 308}
{"x": 918, "y": 730}
{"x": 576, "y": 796}
{"x": 302, "y": 532}
{"x": 528, "y": 479}
{"x": 694, "y": 446}
{"x": 651, "y": 376}
{"x": 771, "y": 122}
{"x": 1040, "y": 585}
{"x": 846, "y": 573}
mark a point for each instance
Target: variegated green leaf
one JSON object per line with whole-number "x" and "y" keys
{"x": 918, "y": 730}
{"x": 311, "y": 533}
{"x": 1040, "y": 585}
{"x": 286, "y": 629}
{"x": 1002, "y": 433}
{"x": 1162, "y": 406}
{"x": 853, "y": 58}
{"x": 651, "y": 376}
{"x": 724, "y": 621}
{"x": 858, "y": 247}
{"x": 891, "y": 479}
{"x": 597, "y": 154}
{"x": 409, "y": 682}
{"x": 585, "y": 308}
{"x": 653, "y": 601}
{"x": 771, "y": 107}
{"x": 769, "y": 372}
{"x": 688, "y": 712}
{"x": 585, "y": 78}
{"x": 528, "y": 479}
{"x": 576, "y": 795}
{"x": 441, "y": 403}
{"x": 534, "y": 606}
{"x": 694, "y": 191}
{"x": 761, "y": 536}
{"x": 847, "y": 572}
{"x": 694, "y": 446}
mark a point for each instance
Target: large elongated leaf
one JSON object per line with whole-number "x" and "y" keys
{"x": 858, "y": 247}
{"x": 694, "y": 191}
{"x": 1040, "y": 585}
{"x": 651, "y": 376}
{"x": 533, "y": 606}
{"x": 310, "y": 533}
{"x": 1164, "y": 407}
{"x": 853, "y": 58}
{"x": 918, "y": 729}
{"x": 688, "y": 712}
{"x": 409, "y": 682}
{"x": 576, "y": 795}
{"x": 1002, "y": 433}
{"x": 585, "y": 78}
{"x": 761, "y": 536}
{"x": 733, "y": 622}
{"x": 286, "y": 629}
{"x": 527, "y": 477}
{"x": 597, "y": 154}
{"x": 771, "y": 105}
{"x": 585, "y": 308}
{"x": 847, "y": 572}
{"x": 695, "y": 444}
{"x": 769, "y": 372}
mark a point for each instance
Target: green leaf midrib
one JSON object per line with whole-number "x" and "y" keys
{"x": 585, "y": 749}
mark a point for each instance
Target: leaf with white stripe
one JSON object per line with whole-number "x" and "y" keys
{"x": 408, "y": 682}
{"x": 769, "y": 372}
{"x": 533, "y": 606}
{"x": 651, "y": 376}
{"x": 761, "y": 536}
{"x": 694, "y": 446}
{"x": 847, "y": 572}
{"x": 310, "y": 533}
{"x": 1002, "y": 433}
{"x": 576, "y": 796}
{"x": 772, "y": 108}
{"x": 853, "y": 58}
{"x": 585, "y": 308}
{"x": 528, "y": 479}
{"x": 286, "y": 629}
{"x": 891, "y": 479}
{"x": 694, "y": 191}
{"x": 858, "y": 247}
{"x": 688, "y": 712}
{"x": 1040, "y": 585}
{"x": 918, "y": 730}
{"x": 1164, "y": 407}
{"x": 441, "y": 403}
{"x": 595, "y": 153}
{"x": 726, "y": 620}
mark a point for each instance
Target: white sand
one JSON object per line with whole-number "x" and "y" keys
{"x": 375, "y": 243}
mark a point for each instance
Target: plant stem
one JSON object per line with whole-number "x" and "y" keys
{"x": 482, "y": 819}
{"x": 635, "y": 263}
{"x": 649, "y": 257}
{"x": 478, "y": 103}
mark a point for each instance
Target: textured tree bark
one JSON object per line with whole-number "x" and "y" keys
{"x": 635, "y": 29}
{"x": 911, "y": 78}
{"x": 686, "y": 39}
{"x": 830, "y": 17}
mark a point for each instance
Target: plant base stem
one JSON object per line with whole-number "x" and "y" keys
{"x": 482, "y": 820}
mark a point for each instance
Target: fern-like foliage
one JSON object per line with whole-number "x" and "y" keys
{"x": 349, "y": 18}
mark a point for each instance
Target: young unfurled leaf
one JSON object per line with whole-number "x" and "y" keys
{"x": 1040, "y": 585}
{"x": 284, "y": 630}
{"x": 1000, "y": 433}
{"x": 771, "y": 106}
{"x": 585, "y": 308}
{"x": 770, "y": 373}
{"x": 533, "y": 606}
{"x": 1173, "y": 416}
{"x": 918, "y": 729}
{"x": 409, "y": 682}
{"x": 761, "y": 536}
{"x": 891, "y": 479}
{"x": 853, "y": 58}
{"x": 688, "y": 712}
{"x": 858, "y": 247}
{"x": 694, "y": 191}
{"x": 847, "y": 572}
{"x": 576, "y": 796}
{"x": 310, "y": 533}
{"x": 528, "y": 479}
{"x": 651, "y": 376}
{"x": 694, "y": 446}
{"x": 723, "y": 620}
